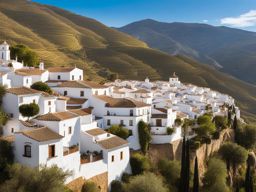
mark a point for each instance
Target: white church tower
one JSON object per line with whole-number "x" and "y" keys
{"x": 5, "y": 52}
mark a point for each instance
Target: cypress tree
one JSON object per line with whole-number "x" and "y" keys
{"x": 196, "y": 177}
{"x": 187, "y": 167}
{"x": 248, "y": 179}
{"x": 183, "y": 166}
{"x": 235, "y": 124}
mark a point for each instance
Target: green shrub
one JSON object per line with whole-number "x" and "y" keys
{"x": 246, "y": 136}
{"x": 29, "y": 110}
{"x": 119, "y": 131}
{"x": 216, "y": 135}
{"x": 117, "y": 186}
{"x": 126, "y": 177}
{"x": 170, "y": 130}
{"x": 90, "y": 187}
{"x": 139, "y": 164}
{"x": 40, "y": 86}
{"x": 178, "y": 122}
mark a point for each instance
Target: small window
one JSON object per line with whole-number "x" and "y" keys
{"x": 108, "y": 122}
{"x": 69, "y": 130}
{"x": 34, "y": 101}
{"x": 73, "y": 77}
{"x": 131, "y": 112}
{"x": 112, "y": 158}
{"x": 12, "y": 130}
{"x": 59, "y": 77}
{"x": 130, "y": 122}
{"x": 80, "y": 77}
{"x": 27, "y": 151}
{"x": 121, "y": 155}
{"x": 81, "y": 93}
{"x": 105, "y": 92}
{"x": 11, "y": 115}
{"x": 49, "y": 102}
{"x": 51, "y": 151}
{"x": 121, "y": 122}
{"x": 65, "y": 93}
{"x": 27, "y": 81}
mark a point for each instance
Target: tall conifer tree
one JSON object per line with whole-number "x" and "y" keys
{"x": 196, "y": 177}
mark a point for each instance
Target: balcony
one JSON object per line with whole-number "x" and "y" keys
{"x": 90, "y": 157}
{"x": 70, "y": 150}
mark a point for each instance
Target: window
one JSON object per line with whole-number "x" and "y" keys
{"x": 105, "y": 92}
{"x": 51, "y": 151}
{"x": 12, "y": 130}
{"x": 80, "y": 77}
{"x": 131, "y": 112}
{"x": 108, "y": 122}
{"x": 108, "y": 113}
{"x": 130, "y": 122}
{"x": 121, "y": 122}
{"x": 34, "y": 101}
{"x": 59, "y": 77}
{"x": 11, "y": 115}
{"x": 112, "y": 158}
{"x": 65, "y": 93}
{"x": 73, "y": 77}
{"x": 27, "y": 151}
{"x": 27, "y": 81}
{"x": 69, "y": 130}
{"x": 159, "y": 122}
{"x": 49, "y": 102}
{"x": 81, "y": 93}
{"x": 121, "y": 155}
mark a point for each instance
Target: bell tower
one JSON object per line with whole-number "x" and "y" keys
{"x": 5, "y": 52}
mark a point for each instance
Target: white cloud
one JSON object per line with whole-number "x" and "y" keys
{"x": 205, "y": 21}
{"x": 245, "y": 20}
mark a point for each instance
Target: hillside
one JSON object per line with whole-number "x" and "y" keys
{"x": 230, "y": 50}
{"x": 63, "y": 38}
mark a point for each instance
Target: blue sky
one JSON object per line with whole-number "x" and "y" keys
{"x": 233, "y": 13}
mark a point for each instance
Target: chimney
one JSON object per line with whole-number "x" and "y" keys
{"x": 41, "y": 65}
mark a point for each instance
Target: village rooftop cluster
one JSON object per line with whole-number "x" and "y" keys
{"x": 70, "y": 129}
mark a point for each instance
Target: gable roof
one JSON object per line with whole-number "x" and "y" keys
{"x": 141, "y": 91}
{"x": 22, "y": 91}
{"x": 121, "y": 102}
{"x": 82, "y": 84}
{"x": 41, "y": 134}
{"x": 29, "y": 72}
{"x": 112, "y": 142}
{"x": 72, "y": 101}
{"x": 96, "y": 131}
{"x": 60, "y": 69}
{"x": 59, "y": 116}
{"x": 81, "y": 112}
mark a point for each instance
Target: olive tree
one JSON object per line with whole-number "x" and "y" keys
{"x": 29, "y": 110}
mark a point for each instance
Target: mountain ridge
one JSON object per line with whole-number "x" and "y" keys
{"x": 222, "y": 47}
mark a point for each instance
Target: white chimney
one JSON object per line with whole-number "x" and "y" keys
{"x": 41, "y": 65}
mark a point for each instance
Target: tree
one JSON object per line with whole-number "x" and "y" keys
{"x": 221, "y": 122}
{"x": 28, "y": 179}
{"x": 148, "y": 182}
{"x": 248, "y": 179}
{"x": 196, "y": 177}
{"x": 2, "y": 93}
{"x": 178, "y": 122}
{"x": 139, "y": 164}
{"x": 119, "y": 131}
{"x": 117, "y": 186}
{"x": 144, "y": 136}
{"x": 40, "y": 86}
{"x": 215, "y": 177}
{"x": 29, "y": 110}
{"x": 203, "y": 119}
{"x": 24, "y": 54}
{"x": 90, "y": 187}
{"x": 246, "y": 136}
{"x": 235, "y": 124}
{"x": 170, "y": 171}
{"x": 233, "y": 154}
{"x": 6, "y": 159}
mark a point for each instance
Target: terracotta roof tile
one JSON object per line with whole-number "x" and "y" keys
{"x": 112, "y": 142}
{"x": 96, "y": 131}
{"x": 141, "y": 91}
{"x": 59, "y": 116}
{"x": 41, "y": 134}
{"x": 60, "y": 69}
{"x": 29, "y": 72}
{"x": 82, "y": 84}
{"x": 80, "y": 112}
{"x": 73, "y": 101}
{"x": 121, "y": 102}
{"x": 22, "y": 91}
{"x": 161, "y": 116}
